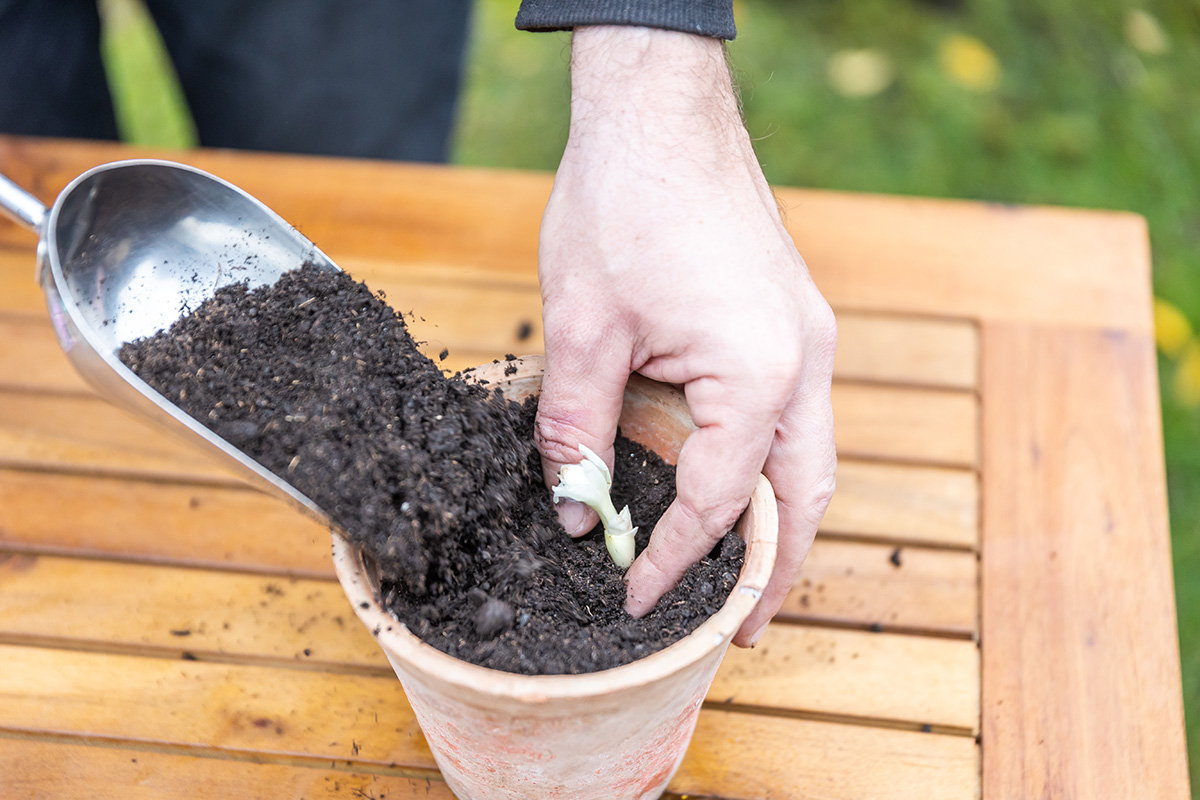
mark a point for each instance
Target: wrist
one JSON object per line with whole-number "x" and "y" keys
{"x": 646, "y": 88}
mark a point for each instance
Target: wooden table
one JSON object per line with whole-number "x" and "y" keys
{"x": 988, "y": 610}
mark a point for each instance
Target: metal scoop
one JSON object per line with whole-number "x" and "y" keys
{"x": 130, "y": 247}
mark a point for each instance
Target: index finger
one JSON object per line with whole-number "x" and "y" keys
{"x": 718, "y": 467}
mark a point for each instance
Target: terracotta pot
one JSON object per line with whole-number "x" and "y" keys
{"x": 619, "y": 733}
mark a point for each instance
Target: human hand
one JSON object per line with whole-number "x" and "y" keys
{"x": 662, "y": 251}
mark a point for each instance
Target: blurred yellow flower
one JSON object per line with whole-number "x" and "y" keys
{"x": 1172, "y": 331}
{"x": 859, "y": 73}
{"x": 1143, "y": 31}
{"x": 969, "y": 63}
{"x": 1185, "y": 387}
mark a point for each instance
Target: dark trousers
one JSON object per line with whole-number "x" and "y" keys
{"x": 370, "y": 78}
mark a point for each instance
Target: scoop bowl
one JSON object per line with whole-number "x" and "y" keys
{"x": 130, "y": 247}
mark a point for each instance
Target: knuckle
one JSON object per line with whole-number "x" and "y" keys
{"x": 714, "y": 519}
{"x": 768, "y": 367}
{"x": 558, "y": 440}
{"x": 821, "y": 331}
{"x": 820, "y": 492}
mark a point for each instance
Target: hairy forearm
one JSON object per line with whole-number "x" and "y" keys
{"x": 651, "y": 89}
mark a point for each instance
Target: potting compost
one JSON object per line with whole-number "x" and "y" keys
{"x": 318, "y": 379}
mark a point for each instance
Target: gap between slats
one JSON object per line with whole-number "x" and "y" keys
{"x": 251, "y": 713}
{"x": 920, "y": 429}
{"x": 932, "y": 587}
{"x": 307, "y": 624}
{"x": 482, "y": 320}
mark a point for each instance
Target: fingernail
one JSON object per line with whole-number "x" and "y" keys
{"x": 758, "y": 633}
{"x": 572, "y": 515}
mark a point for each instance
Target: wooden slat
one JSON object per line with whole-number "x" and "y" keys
{"x": 136, "y": 608}
{"x": 985, "y": 261}
{"x": 44, "y": 431}
{"x": 20, "y": 294}
{"x": 905, "y": 503}
{"x": 238, "y": 527}
{"x": 198, "y": 525}
{"x": 52, "y": 769}
{"x": 875, "y": 676}
{"x": 913, "y": 588}
{"x": 742, "y": 756}
{"x": 924, "y": 256}
{"x": 31, "y": 359}
{"x": 460, "y": 311}
{"x": 484, "y": 320}
{"x": 217, "y": 707}
{"x": 351, "y": 209}
{"x": 937, "y": 427}
{"x": 48, "y": 769}
{"x": 167, "y": 611}
{"x": 1081, "y": 681}
{"x": 907, "y": 350}
{"x": 267, "y": 714}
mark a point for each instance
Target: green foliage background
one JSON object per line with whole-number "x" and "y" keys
{"x": 1080, "y": 117}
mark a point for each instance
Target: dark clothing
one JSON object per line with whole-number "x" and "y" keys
{"x": 704, "y": 17}
{"x": 374, "y": 78}
{"x": 50, "y": 71}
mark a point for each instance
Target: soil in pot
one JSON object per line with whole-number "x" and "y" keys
{"x": 318, "y": 379}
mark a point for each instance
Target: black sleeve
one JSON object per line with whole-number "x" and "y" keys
{"x": 704, "y": 17}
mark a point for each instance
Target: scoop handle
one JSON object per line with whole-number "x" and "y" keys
{"x": 19, "y": 204}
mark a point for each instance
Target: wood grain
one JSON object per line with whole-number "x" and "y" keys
{"x": 905, "y": 503}
{"x": 250, "y": 712}
{"x": 477, "y": 323}
{"x": 32, "y": 360}
{"x": 896, "y": 588}
{"x": 257, "y": 619}
{"x": 86, "y": 434}
{"x": 781, "y": 759}
{"x": 20, "y": 294}
{"x": 223, "y": 523}
{"x": 52, "y": 769}
{"x": 1079, "y": 663}
{"x": 873, "y": 676}
{"x": 887, "y": 348}
{"x": 167, "y": 611}
{"x": 232, "y": 709}
{"x": 982, "y": 261}
{"x": 912, "y": 425}
{"x": 939, "y": 257}
{"x": 181, "y": 524}
{"x": 1081, "y": 676}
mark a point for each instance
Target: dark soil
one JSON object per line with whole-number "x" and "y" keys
{"x": 438, "y": 479}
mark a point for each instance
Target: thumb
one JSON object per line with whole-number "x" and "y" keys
{"x": 580, "y": 404}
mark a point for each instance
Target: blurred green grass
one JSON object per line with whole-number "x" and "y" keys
{"x": 1091, "y": 103}
{"x": 150, "y": 106}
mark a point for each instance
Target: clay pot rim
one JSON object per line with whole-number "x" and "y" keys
{"x": 759, "y": 526}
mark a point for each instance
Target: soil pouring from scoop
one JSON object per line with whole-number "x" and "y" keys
{"x": 526, "y": 675}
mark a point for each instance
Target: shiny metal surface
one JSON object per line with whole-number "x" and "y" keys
{"x": 130, "y": 247}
